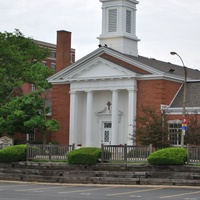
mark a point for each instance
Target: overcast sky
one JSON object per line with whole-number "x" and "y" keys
{"x": 162, "y": 25}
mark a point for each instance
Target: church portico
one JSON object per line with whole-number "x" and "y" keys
{"x": 102, "y": 114}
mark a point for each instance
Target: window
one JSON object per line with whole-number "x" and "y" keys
{"x": 112, "y": 23}
{"x": 53, "y": 66}
{"x": 128, "y": 21}
{"x": 44, "y": 63}
{"x": 72, "y": 57}
{"x": 33, "y": 87}
{"x": 174, "y": 130}
{"x": 108, "y": 125}
{"x": 53, "y": 54}
{"x": 31, "y": 136}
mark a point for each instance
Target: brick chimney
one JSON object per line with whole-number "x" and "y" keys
{"x": 63, "y": 50}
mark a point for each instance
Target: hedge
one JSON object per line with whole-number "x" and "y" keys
{"x": 168, "y": 156}
{"x": 84, "y": 156}
{"x": 13, "y": 153}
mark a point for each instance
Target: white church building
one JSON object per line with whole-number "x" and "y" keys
{"x": 97, "y": 98}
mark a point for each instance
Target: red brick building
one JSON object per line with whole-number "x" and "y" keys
{"x": 97, "y": 98}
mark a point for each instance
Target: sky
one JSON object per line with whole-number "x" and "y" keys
{"x": 162, "y": 25}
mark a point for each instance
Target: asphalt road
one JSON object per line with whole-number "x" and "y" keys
{"x": 33, "y": 191}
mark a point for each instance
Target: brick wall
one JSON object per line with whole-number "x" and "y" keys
{"x": 60, "y": 111}
{"x": 156, "y": 92}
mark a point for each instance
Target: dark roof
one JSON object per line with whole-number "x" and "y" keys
{"x": 168, "y": 67}
{"x": 192, "y": 96}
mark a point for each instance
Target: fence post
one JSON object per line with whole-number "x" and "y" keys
{"x": 188, "y": 154}
{"x": 102, "y": 153}
{"x": 125, "y": 152}
{"x": 150, "y": 149}
{"x": 50, "y": 146}
{"x": 27, "y": 152}
{"x": 73, "y": 146}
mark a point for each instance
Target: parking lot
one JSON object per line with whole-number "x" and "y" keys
{"x": 33, "y": 191}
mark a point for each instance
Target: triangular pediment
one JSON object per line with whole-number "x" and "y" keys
{"x": 113, "y": 65}
{"x": 100, "y": 69}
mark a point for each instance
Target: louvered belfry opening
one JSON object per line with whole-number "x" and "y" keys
{"x": 112, "y": 27}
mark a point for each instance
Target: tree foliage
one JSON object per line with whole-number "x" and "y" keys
{"x": 25, "y": 113}
{"x": 151, "y": 128}
{"x": 193, "y": 130}
{"x": 20, "y": 62}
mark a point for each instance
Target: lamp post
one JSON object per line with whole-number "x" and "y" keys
{"x": 184, "y": 99}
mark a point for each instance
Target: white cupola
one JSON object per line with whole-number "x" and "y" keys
{"x": 119, "y": 25}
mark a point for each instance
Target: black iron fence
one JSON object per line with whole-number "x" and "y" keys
{"x": 48, "y": 152}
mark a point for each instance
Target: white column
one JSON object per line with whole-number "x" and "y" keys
{"x": 132, "y": 97}
{"x": 89, "y": 118}
{"x": 73, "y": 118}
{"x": 115, "y": 123}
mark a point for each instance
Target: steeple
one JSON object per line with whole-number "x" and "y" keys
{"x": 119, "y": 25}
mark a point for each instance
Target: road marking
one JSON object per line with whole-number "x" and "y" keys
{"x": 85, "y": 193}
{"x": 177, "y": 195}
{"x": 36, "y": 189}
{"x": 86, "y": 190}
{"x": 135, "y": 196}
{"x": 137, "y": 191}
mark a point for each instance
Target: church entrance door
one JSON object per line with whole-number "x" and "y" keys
{"x": 106, "y": 133}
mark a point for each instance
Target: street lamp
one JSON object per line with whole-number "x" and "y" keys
{"x": 184, "y": 97}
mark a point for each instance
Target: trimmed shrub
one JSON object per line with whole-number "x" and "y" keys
{"x": 13, "y": 153}
{"x": 84, "y": 156}
{"x": 168, "y": 156}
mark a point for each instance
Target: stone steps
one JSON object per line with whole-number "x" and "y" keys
{"x": 102, "y": 174}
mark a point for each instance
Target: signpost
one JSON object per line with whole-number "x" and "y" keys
{"x": 184, "y": 125}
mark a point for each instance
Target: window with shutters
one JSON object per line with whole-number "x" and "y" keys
{"x": 128, "y": 21}
{"x": 112, "y": 23}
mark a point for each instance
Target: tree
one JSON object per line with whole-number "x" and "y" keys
{"x": 193, "y": 130}
{"x": 151, "y": 128}
{"x": 26, "y": 113}
{"x": 20, "y": 62}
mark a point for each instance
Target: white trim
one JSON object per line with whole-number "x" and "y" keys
{"x": 179, "y": 110}
{"x": 100, "y": 85}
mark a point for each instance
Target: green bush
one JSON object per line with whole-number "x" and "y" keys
{"x": 13, "y": 153}
{"x": 84, "y": 156}
{"x": 168, "y": 156}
